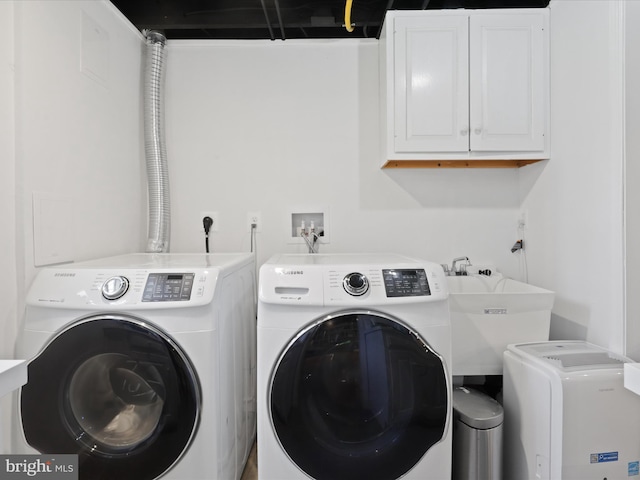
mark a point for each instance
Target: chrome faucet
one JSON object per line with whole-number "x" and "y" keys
{"x": 457, "y": 270}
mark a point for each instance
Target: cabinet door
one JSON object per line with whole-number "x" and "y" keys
{"x": 507, "y": 78}
{"x": 431, "y": 84}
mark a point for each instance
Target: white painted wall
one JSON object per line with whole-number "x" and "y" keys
{"x": 8, "y": 291}
{"x": 67, "y": 132}
{"x": 78, "y": 124}
{"x": 632, "y": 174}
{"x": 575, "y": 200}
{"x": 269, "y": 126}
{"x": 276, "y": 126}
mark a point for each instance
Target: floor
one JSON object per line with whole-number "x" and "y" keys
{"x": 251, "y": 469}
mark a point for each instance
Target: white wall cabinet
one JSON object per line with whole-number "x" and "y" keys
{"x": 465, "y": 85}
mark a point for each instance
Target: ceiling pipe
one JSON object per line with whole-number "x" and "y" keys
{"x": 277, "y": 3}
{"x": 389, "y": 7}
{"x": 266, "y": 17}
{"x": 347, "y": 16}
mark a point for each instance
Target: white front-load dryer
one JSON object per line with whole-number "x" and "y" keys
{"x": 354, "y": 368}
{"x": 143, "y": 365}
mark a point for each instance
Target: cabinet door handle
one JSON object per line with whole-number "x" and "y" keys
{"x": 464, "y": 131}
{"x": 477, "y": 130}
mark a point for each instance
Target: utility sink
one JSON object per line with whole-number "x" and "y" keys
{"x": 632, "y": 377}
{"x": 13, "y": 374}
{"x": 490, "y": 312}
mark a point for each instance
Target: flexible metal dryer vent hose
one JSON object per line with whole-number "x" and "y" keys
{"x": 154, "y": 144}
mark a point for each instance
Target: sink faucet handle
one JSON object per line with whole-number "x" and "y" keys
{"x": 459, "y": 271}
{"x": 445, "y": 267}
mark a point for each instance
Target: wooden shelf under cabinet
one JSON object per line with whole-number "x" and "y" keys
{"x": 458, "y": 163}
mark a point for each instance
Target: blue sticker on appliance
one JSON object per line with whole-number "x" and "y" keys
{"x": 604, "y": 457}
{"x": 633, "y": 469}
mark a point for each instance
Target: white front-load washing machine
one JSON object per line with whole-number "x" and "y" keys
{"x": 143, "y": 365}
{"x": 354, "y": 368}
{"x": 567, "y": 414}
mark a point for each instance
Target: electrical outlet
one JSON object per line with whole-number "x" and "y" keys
{"x": 216, "y": 224}
{"x": 254, "y": 218}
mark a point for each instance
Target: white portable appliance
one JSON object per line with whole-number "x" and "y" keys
{"x": 567, "y": 413}
{"x": 354, "y": 375}
{"x": 143, "y": 365}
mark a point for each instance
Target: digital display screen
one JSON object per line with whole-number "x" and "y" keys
{"x": 168, "y": 287}
{"x": 406, "y": 283}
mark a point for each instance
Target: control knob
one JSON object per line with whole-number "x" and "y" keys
{"x": 115, "y": 287}
{"x": 355, "y": 284}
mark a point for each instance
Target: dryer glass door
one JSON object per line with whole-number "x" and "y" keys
{"x": 115, "y": 391}
{"x": 358, "y": 396}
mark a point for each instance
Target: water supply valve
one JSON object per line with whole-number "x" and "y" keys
{"x": 519, "y": 245}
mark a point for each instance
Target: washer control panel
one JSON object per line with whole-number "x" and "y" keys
{"x": 168, "y": 287}
{"x": 406, "y": 282}
{"x": 351, "y": 280}
{"x": 355, "y": 284}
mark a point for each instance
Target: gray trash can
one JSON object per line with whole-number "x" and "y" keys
{"x": 477, "y": 436}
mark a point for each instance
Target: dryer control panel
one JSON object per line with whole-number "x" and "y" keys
{"x": 168, "y": 287}
{"x": 149, "y": 281}
{"x": 120, "y": 287}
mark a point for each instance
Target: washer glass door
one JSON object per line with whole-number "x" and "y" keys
{"x": 117, "y": 392}
{"x": 358, "y": 396}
